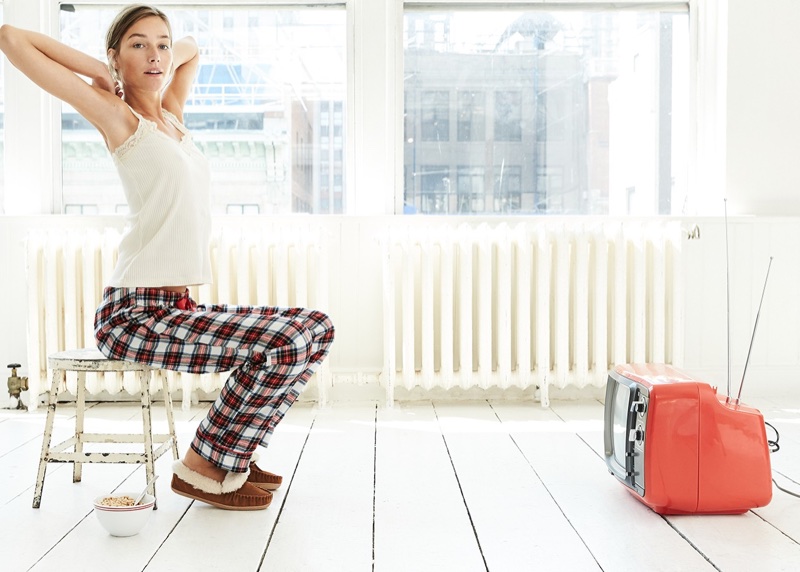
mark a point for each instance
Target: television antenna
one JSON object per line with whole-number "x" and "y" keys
{"x": 752, "y": 338}
{"x": 728, "y": 299}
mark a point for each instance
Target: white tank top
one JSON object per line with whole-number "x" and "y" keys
{"x": 166, "y": 183}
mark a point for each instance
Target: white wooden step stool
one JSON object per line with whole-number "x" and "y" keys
{"x": 81, "y": 361}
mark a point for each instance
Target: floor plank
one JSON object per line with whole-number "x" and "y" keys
{"x": 326, "y": 520}
{"x": 20, "y": 462}
{"x": 519, "y": 525}
{"x": 18, "y": 428}
{"x": 733, "y": 543}
{"x": 421, "y": 522}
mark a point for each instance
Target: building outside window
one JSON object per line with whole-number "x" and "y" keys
{"x": 563, "y": 111}
{"x": 267, "y": 78}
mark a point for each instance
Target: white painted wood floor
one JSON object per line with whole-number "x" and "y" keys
{"x": 500, "y": 486}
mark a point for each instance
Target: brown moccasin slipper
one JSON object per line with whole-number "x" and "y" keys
{"x": 234, "y": 493}
{"x": 263, "y": 479}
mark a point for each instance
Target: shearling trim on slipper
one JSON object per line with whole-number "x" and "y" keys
{"x": 232, "y": 481}
{"x": 254, "y": 458}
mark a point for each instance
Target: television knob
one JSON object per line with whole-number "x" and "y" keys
{"x": 636, "y": 434}
{"x": 639, "y": 406}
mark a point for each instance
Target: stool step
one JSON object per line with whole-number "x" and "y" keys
{"x": 106, "y": 438}
{"x": 102, "y": 457}
{"x": 120, "y": 438}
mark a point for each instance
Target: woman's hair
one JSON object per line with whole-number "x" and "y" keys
{"x": 122, "y": 23}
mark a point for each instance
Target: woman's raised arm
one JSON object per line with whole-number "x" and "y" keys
{"x": 55, "y": 67}
{"x": 185, "y": 59}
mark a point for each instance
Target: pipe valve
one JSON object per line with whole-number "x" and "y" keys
{"x": 16, "y": 385}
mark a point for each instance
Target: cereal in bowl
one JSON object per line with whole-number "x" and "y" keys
{"x": 117, "y": 501}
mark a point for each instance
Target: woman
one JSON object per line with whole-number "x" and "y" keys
{"x": 136, "y": 102}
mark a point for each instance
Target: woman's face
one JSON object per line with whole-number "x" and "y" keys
{"x": 144, "y": 58}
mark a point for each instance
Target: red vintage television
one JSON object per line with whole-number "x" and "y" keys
{"x": 679, "y": 447}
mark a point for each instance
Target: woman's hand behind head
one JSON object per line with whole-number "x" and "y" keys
{"x": 106, "y": 83}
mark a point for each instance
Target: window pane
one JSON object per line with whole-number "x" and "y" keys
{"x": 471, "y": 116}
{"x": 267, "y": 109}
{"x": 435, "y": 115}
{"x": 562, "y": 112}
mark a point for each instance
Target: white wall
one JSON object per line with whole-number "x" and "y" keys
{"x": 763, "y": 107}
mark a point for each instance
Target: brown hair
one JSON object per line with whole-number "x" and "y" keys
{"x": 122, "y": 23}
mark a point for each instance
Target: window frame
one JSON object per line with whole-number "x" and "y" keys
{"x": 374, "y": 92}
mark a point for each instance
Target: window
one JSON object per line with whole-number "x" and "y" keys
{"x": 435, "y": 115}
{"x": 267, "y": 107}
{"x": 508, "y": 116}
{"x": 434, "y": 197}
{"x": 563, "y": 110}
{"x": 471, "y": 116}
{"x": 508, "y": 196}
{"x": 469, "y": 186}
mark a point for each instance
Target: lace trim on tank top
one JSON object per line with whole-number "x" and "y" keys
{"x": 176, "y": 122}
{"x": 146, "y": 127}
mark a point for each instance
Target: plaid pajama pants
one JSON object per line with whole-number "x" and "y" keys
{"x": 272, "y": 351}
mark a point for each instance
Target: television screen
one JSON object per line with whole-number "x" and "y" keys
{"x": 625, "y": 420}
{"x": 620, "y": 415}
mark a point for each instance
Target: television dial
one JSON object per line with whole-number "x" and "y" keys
{"x": 636, "y": 434}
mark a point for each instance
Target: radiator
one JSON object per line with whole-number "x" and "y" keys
{"x": 533, "y": 305}
{"x": 67, "y": 271}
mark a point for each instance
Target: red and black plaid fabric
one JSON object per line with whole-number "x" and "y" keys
{"x": 273, "y": 352}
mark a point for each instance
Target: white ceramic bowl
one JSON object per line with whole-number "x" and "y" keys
{"x": 124, "y": 520}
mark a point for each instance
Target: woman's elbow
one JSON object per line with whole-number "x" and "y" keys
{"x": 5, "y": 32}
{"x": 189, "y": 44}
{"x": 8, "y": 36}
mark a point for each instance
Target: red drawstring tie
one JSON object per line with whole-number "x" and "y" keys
{"x": 186, "y": 303}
